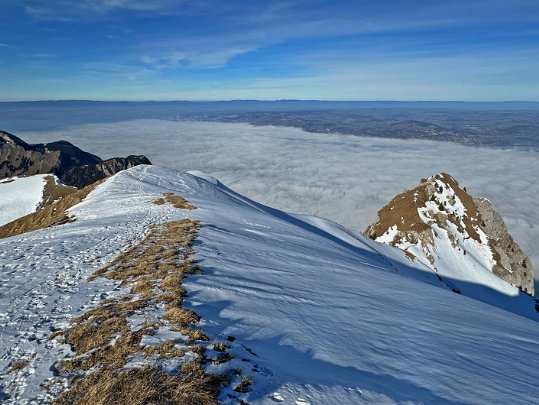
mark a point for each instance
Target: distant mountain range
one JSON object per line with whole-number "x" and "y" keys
{"x": 510, "y": 124}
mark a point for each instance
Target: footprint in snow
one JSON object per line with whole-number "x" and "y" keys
{"x": 301, "y": 401}
{"x": 277, "y": 397}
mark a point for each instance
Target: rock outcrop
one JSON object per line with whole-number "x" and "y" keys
{"x": 82, "y": 175}
{"x": 72, "y": 165}
{"x": 512, "y": 264}
{"x": 440, "y": 224}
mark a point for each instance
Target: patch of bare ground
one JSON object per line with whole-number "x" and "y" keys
{"x": 402, "y": 211}
{"x": 50, "y": 215}
{"x": 175, "y": 200}
{"x": 53, "y": 192}
{"x": 105, "y": 340}
{"x": 17, "y": 365}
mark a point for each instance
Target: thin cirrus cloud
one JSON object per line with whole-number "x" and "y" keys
{"x": 238, "y": 45}
{"x": 68, "y": 10}
{"x": 340, "y": 177}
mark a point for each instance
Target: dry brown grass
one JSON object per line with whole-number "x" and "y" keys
{"x": 53, "y": 192}
{"x": 178, "y": 202}
{"x": 180, "y": 316}
{"x": 104, "y": 340}
{"x": 222, "y": 358}
{"x": 52, "y": 214}
{"x": 193, "y": 334}
{"x": 17, "y": 365}
{"x": 220, "y": 346}
{"x": 143, "y": 386}
{"x": 175, "y": 200}
{"x": 402, "y": 212}
{"x": 244, "y": 384}
{"x": 165, "y": 350}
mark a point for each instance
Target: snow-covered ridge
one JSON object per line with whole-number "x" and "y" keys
{"x": 331, "y": 316}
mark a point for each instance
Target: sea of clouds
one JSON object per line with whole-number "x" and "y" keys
{"x": 341, "y": 177}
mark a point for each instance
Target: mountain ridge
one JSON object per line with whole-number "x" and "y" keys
{"x": 71, "y": 164}
{"x": 305, "y": 310}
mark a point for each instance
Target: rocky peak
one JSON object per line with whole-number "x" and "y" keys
{"x": 83, "y": 175}
{"x": 71, "y": 164}
{"x": 7, "y": 138}
{"x": 438, "y": 211}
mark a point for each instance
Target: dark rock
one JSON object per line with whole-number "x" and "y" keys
{"x": 72, "y": 165}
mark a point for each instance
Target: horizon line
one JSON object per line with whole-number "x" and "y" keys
{"x": 268, "y": 100}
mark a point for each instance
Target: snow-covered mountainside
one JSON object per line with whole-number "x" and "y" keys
{"x": 461, "y": 238}
{"x": 293, "y": 309}
{"x": 20, "y": 196}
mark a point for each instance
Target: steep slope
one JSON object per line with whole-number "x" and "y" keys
{"x": 459, "y": 237}
{"x": 309, "y": 312}
{"x": 20, "y": 196}
{"x": 72, "y": 165}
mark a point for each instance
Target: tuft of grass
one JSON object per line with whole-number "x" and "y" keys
{"x": 181, "y": 316}
{"x": 194, "y": 334}
{"x": 17, "y": 365}
{"x": 178, "y": 202}
{"x": 141, "y": 386}
{"x": 220, "y": 346}
{"x": 222, "y": 358}
{"x": 244, "y": 384}
{"x": 165, "y": 350}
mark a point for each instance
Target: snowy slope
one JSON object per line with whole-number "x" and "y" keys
{"x": 20, "y": 196}
{"x": 324, "y": 314}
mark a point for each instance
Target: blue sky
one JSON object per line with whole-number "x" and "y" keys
{"x": 472, "y": 50}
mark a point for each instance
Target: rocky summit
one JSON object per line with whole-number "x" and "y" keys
{"x": 72, "y": 165}
{"x": 441, "y": 225}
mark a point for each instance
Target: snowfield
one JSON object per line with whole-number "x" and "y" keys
{"x": 20, "y": 196}
{"x": 324, "y": 315}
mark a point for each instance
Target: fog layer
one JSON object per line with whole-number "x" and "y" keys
{"x": 340, "y": 177}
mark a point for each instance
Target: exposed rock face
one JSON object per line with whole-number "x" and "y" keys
{"x": 443, "y": 226}
{"x": 513, "y": 265}
{"x": 18, "y": 158}
{"x": 82, "y": 175}
{"x": 72, "y": 165}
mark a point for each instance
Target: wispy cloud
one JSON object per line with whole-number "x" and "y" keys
{"x": 294, "y": 48}
{"x": 64, "y": 10}
{"x": 43, "y": 55}
{"x": 210, "y": 59}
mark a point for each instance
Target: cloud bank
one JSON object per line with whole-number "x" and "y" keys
{"x": 340, "y": 177}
